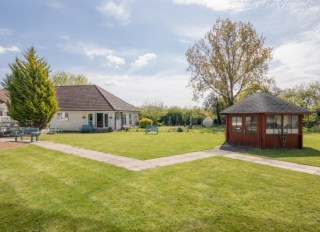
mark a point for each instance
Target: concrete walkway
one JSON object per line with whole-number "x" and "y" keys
{"x": 126, "y": 162}
{"x": 139, "y": 165}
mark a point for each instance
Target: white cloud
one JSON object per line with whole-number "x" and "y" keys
{"x": 112, "y": 59}
{"x": 143, "y": 60}
{"x": 64, "y": 37}
{"x": 191, "y": 33}
{"x": 120, "y": 10}
{"x": 5, "y": 32}
{"x": 298, "y": 8}
{"x": 55, "y": 5}
{"x": 297, "y": 60}
{"x": 217, "y": 5}
{"x": 171, "y": 89}
{"x": 9, "y": 49}
{"x": 93, "y": 51}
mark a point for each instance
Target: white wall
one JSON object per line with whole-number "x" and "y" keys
{"x": 78, "y": 118}
{"x": 3, "y": 109}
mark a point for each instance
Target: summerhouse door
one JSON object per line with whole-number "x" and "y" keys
{"x": 250, "y": 131}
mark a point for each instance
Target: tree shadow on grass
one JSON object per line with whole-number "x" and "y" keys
{"x": 19, "y": 218}
{"x": 282, "y": 153}
{"x": 16, "y": 217}
{"x": 238, "y": 222}
{"x": 273, "y": 153}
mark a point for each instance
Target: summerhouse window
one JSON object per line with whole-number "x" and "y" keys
{"x": 290, "y": 124}
{"x": 251, "y": 125}
{"x": 273, "y": 124}
{"x": 236, "y": 124}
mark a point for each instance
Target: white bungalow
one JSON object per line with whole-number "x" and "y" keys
{"x": 3, "y": 103}
{"x": 90, "y": 104}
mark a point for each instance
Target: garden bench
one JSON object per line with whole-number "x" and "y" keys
{"x": 27, "y": 131}
{"x": 53, "y": 129}
{"x": 152, "y": 128}
{"x": 87, "y": 128}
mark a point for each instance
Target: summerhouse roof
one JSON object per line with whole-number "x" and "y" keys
{"x": 262, "y": 102}
{"x": 89, "y": 98}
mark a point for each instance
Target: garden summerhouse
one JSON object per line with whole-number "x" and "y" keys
{"x": 264, "y": 121}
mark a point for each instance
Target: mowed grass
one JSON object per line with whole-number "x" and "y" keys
{"x": 309, "y": 155}
{"x": 144, "y": 146}
{"x": 141, "y": 146}
{"x": 44, "y": 190}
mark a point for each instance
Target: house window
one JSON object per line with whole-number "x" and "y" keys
{"x": 1, "y": 114}
{"x": 130, "y": 120}
{"x": 236, "y": 124}
{"x": 290, "y": 124}
{"x": 106, "y": 122}
{"x": 251, "y": 125}
{"x": 273, "y": 124}
{"x": 90, "y": 119}
{"x": 123, "y": 119}
{"x": 62, "y": 116}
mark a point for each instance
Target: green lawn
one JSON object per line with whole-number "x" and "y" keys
{"x": 309, "y": 155}
{"x": 141, "y": 146}
{"x": 43, "y": 190}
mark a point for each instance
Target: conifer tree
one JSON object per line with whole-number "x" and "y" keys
{"x": 32, "y": 94}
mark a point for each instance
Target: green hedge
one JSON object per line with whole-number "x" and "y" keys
{"x": 144, "y": 122}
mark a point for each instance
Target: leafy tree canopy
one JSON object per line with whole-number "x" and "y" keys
{"x": 229, "y": 59}
{"x": 153, "y": 110}
{"x": 307, "y": 96}
{"x": 32, "y": 93}
{"x": 66, "y": 78}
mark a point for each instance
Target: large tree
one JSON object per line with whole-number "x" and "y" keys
{"x": 153, "y": 110}
{"x": 214, "y": 104}
{"x": 32, "y": 94}
{"x": 67, "y": 78}
{"x": 307, "y": 96}
{"x": 229, "y": 59}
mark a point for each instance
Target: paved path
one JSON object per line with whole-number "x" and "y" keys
{"x": 276, "y": 163}
{"x": 126, "y": 162}
{"x": 139, "y": 165}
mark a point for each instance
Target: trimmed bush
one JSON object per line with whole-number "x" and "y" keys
{"x": 144, "y": 122}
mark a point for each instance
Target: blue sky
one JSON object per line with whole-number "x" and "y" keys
{"x": 136, "y": 48}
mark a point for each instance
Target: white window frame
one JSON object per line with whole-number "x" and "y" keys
{"x": 62, "y": 116}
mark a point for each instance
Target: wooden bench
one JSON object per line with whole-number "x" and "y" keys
{"x": 152, "y": 128}
{"x": 53, "y": 129}
{"x": 87, "y": 128}
{"x": 27, "y": 131}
